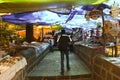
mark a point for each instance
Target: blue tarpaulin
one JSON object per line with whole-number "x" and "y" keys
{"x": 40, "y": 17}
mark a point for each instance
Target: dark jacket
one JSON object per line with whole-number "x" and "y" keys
{"x": 63, "y": 42}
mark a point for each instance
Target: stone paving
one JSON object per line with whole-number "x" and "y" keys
{"x": 49, "y": 67}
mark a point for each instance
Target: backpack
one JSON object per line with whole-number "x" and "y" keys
{"x": 63, "y": 42}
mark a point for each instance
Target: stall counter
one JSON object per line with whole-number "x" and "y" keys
{"x": 9, "y": 71}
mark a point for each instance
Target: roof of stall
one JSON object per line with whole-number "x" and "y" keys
{"x": 35, "y": 9}
{"x": 43, "y": 17}
{"x": 14, "y": 6}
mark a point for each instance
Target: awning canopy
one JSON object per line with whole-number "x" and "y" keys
{"x": 15, "y": 6}
{"x": 44, "y": 12}
{"x": 43, "y": 17}
{"x": 47, "y": 17}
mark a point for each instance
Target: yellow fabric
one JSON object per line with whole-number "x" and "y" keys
{"x": 48, "y": 1}
{"x": 91, "y": 2}
{"x": 14, "y": 6}
{"x": 56, "y": 27}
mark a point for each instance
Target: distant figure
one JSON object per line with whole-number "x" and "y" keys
{"x": 63, "y": 45}
{"x": 39, "y": 39}
{"x": 51, "y": 42}
{"x": 71, "y": 43}
{"x": 55, "y": 39}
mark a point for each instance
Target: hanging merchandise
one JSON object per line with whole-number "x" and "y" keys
{"x": 107, "y": 35}
{"x": 114, "y": 11}
{"x": 94, "y": 14}
{"x": 107, "y": 27}
{"x": 87, "y": 17}
{"x": 115, "y": 28}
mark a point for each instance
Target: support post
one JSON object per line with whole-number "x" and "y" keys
{"x": 29, "y": 33}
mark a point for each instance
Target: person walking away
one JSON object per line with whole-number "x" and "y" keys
{"x": 63, "y": 45}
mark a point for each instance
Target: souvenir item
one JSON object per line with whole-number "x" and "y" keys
{"x": 94, "y": 14}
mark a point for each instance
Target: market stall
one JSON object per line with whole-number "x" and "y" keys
{"x": 9, "y": 66}
{"x": 22, "y": 56}
{"x": 20, "y": 59}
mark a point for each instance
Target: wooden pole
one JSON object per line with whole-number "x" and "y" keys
{"x": 116, "y": 52}
{"x": 103, "y": 33}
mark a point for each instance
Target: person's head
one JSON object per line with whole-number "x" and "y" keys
{"x": 62, "y": 31}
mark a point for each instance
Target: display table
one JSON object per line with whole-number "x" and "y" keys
{"x": 17, "y": 65}
{"x": 10, "y": 66}
{"x": 40, "y": 48}
{"x": 2, "y": 53}
{"x": 34, "y": 53}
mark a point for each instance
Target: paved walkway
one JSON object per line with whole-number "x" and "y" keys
{"x": 49, "y": 67}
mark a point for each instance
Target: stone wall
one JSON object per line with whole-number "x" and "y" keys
{"x": 105, "y": 70}
{"x": 101, "y": 68}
